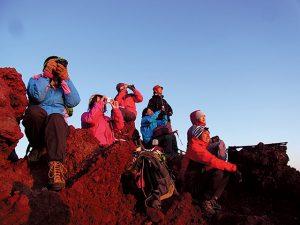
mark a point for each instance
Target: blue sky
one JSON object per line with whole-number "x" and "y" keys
{"x": 239, "y": 61}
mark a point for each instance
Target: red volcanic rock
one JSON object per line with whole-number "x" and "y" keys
{"x": 95, "y": 194}
{"x": 13, "y": 102}
{"x": 182, "y": 211}
{"x": 15, "y": 209}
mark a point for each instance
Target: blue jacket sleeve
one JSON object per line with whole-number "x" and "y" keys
{"x": 162, "y": 121}
{"x": 147, "y": 120}
{"x": 37, "y": 89}
{"x": 72, "y": 99}
{"x": 155, "y": 115}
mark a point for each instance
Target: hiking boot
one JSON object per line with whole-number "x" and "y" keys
{"x": 56, "y": 175}
{"x": 215, "y": 205}
{"x": 208, "y": 209}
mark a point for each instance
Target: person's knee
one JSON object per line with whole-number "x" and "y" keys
{"x": 57, "y": 120}
{"x": 168, "y": 137}
{"x": 34, "y": 114}
{"x": 56, "y": 117}
{"x": 35, "y": 111}
{"x": 219, "y": 174}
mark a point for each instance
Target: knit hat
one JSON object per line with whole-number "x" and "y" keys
{"x": 156, "y": 87}
{"x": 119, "y": 85}
{"x": 47, "y": 60}
{"x": 195, "y": 116}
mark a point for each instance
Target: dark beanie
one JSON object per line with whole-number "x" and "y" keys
{"x": 49, "y": 58}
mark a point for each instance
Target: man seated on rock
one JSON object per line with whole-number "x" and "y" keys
{"x": 152, "y": 127}
{"x": 101, "y": 126}
{"x": 201, "y": 171}
{"x": 157, "y": 102}
{"x": 45, "y": 127}
{"x": 127, "y": 100}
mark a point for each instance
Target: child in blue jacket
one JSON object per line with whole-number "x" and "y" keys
{"x": 149, "y": 123}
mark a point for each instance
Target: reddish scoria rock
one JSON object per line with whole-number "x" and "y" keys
{"x": 94, "y": 192}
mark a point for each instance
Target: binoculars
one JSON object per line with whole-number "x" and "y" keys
{"x": 62, "y": 61}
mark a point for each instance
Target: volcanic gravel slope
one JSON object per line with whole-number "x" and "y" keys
{"x": 269, "y": 193}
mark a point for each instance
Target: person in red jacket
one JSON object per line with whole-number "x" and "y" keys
{"x": 102, "y": 126}
{"x": 127, "y": 100}
{"x": 202, "y": 171}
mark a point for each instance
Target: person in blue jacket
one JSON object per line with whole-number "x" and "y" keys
{"x": 50, "y": 93}
{"x": 149, "y": 122}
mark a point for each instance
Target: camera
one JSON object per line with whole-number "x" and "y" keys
{"x": 109, "y": 100}
{"x": 215, "y": 139}
{"x": 135, "y": 154}
{"x": 130, "y": 86}
{"x": 62, "y": 61}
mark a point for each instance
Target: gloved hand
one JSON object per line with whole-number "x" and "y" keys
{"x": 163, "y": 113}
{"x": 238, "y": 176}
{"x": 131, "y": 87}
{"x": 62, "y": 72}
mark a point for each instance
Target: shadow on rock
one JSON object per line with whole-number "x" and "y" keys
{"x": 46, "y": 206}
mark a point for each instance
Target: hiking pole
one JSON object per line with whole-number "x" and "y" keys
{"x": 27, "y": 150}
{"x": 176, "y": 132}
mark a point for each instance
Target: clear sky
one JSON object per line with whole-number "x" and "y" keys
{"x": 238, "y": 61}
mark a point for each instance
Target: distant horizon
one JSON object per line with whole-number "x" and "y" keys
{"x": 236, "y": 61}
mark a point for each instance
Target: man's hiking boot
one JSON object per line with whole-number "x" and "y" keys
{"x": 56, "y": 175}
{"x": 208, "y": 209}
{"x": 215, "y": 205}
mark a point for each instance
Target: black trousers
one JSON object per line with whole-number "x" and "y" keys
{"x": 168, "y": 143}
{"x": 205, "y": 185}
{"x": 46, "y": 131}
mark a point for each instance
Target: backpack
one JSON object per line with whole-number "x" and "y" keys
{"x": 162, "y": 130}
{"x": 217, "y": 147}
{"x": 154, "y": 178}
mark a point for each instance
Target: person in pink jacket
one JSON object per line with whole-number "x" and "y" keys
{"x": 102, "y": 126}
{"x": 127, "y": 100}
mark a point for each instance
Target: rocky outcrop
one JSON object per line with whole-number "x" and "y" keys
{"x": 94, "y": 194}
{"x": 13, "y": 102}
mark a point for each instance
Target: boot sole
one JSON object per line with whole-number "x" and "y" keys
{"x": 57, "y": 187}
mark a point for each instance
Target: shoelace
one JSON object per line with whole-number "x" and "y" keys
{"x": 57, "y": 169}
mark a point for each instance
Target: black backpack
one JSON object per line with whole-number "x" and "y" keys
{"x": 157, "y": 182}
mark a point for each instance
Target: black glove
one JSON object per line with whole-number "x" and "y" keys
{"x": 238, "y": 176}
{"x": 163, "y": 113}
{"x": 131, "y": 87}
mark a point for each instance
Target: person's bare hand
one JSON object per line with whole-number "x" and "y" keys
{"x": 51, "y": 65}
{"x": 114, "y": 104}
{"x": 62, "y": 72}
